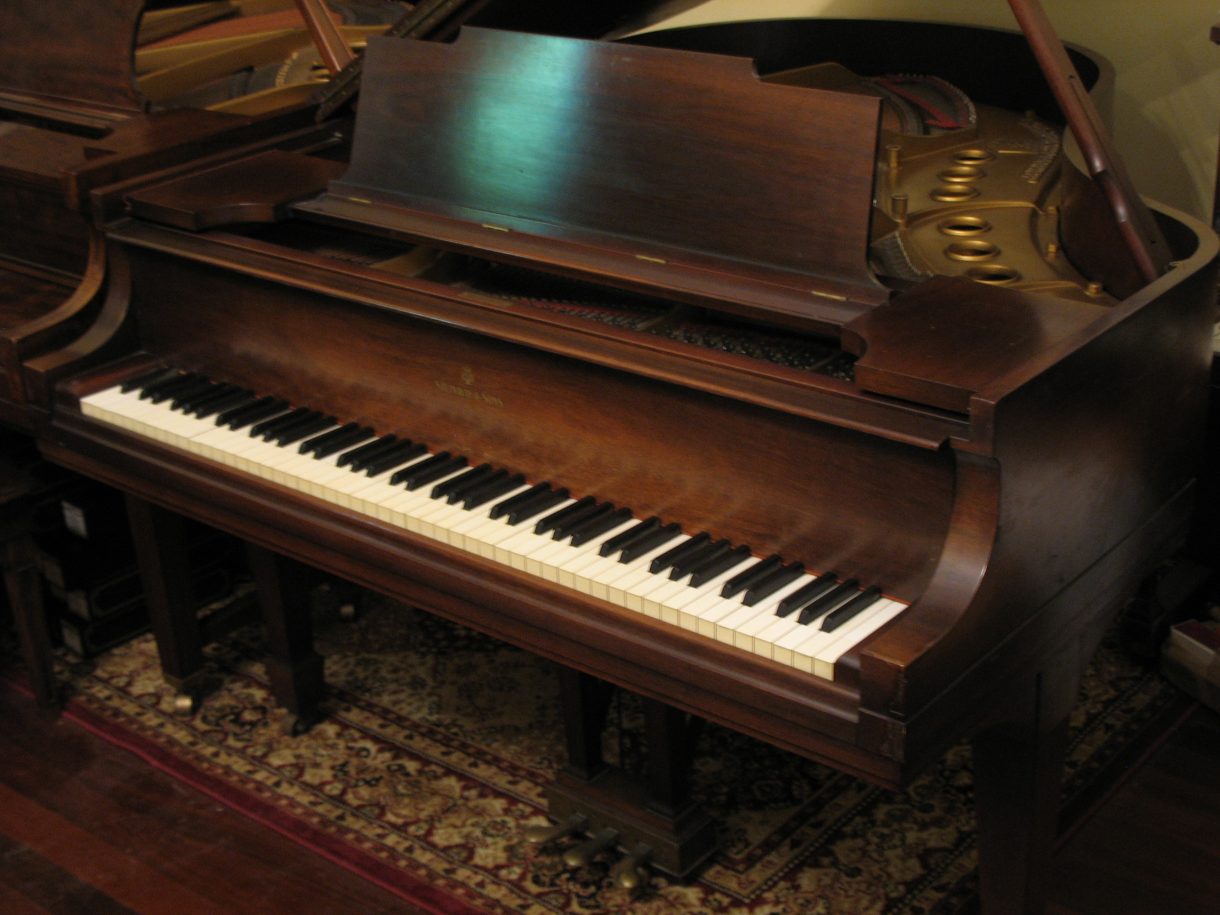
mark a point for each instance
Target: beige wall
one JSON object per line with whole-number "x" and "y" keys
{"x": 1166, "y": 102}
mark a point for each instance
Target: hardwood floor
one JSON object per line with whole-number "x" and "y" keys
{"x": 88, "y": 828}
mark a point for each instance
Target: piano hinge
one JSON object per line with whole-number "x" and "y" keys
{"x": 651, "y": 260}
{"x": 359, "y": 200}
{"x": 488, "y": 225}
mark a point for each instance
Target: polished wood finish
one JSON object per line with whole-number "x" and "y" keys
{"x": 619, "y": 128}
{"x": 1015, "y": 499}
{"x": 86, "y": 826}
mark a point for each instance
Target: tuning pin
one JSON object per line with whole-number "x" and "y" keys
{"x": 632, "y": 872}
{"x": 541, "y": 835}
{"x": 583, "y": 854}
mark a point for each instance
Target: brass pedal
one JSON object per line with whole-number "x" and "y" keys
{"x": 632, "y": 873}
{"x": 582, "y": 854}
{"x": 541, "y": 835}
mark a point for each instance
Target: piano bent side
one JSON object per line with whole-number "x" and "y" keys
{"x": 1076, "y": 482}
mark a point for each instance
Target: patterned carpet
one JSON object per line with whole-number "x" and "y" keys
{"x": 439, "y": 743}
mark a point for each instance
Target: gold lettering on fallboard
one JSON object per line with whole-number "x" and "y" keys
{"x": 469, "y": 393}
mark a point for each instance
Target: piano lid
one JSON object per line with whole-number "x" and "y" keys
{"x": 671, "y": 170}
{"x": 67, "y": 52}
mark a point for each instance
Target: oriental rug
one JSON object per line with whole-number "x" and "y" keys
{"x": 439, "y": 742}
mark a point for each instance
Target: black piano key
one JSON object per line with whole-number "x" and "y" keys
{"x": 626, "y": 538}
{"x": 577, "y": 522}
{"x": 678, "y": 553}
{"x": 404, "y": 451}
{"x": 285, "y": 426}
{"x": 591, "y": 530}
{"x": 431, "y": 470}
{"x": 750, "y": 576}
{"x": 303, "y": 430}
{"x": 806, "y": 594}
{"x": 150, "y": 390}
{"x": 147, "y": 379}
{"x": 641, "y": 546}
{"x": 219, "y": 398}
{"x": 164, "y": 392}
{"x": 537, "y": 491}
{"x": 240, "y": 417}
{"x": 240, "y": 398}
{"x": 691, "y": 561}
{"x": 336, "y": 440}
{"x": 772, "y": 583}
{"x": 827, "y": 602}
{"x": 535, "y": 506}
{"x": 265, "y": 428}
{"x": 565, "y": 527}
{"x": 575, "y": 510}
{"x": 493, "y": 489}
{"x": 446, "y": 489}
{"x": 217, "y": 391}
{"x": 185, "y": 398}
{"x": 358, "y": 456}
{"x": 841, "y": 615}
{"x": 709, "y": 569}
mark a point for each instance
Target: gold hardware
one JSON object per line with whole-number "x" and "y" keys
{"x": 993, "y": 275}
{"x": 962, "y": 174}
{"x": 541, "y": 835}
{"x": 898, "y": 207}
{"x": 972, "y": 250}
{"x": 651, "y": 260}
{"x": 488, "y": 225}
{"x": 828, "y": 295}
{"x": 964, "y": 225}
{"x": 631, "y": 873}
{"x": 953, "y": 194}
{"x": 893, "y": 154}
{"x": 583, "y": 854}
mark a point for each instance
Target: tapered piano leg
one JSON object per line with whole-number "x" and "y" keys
{"x": 1018, "y": 770}
{"x": 293, "y": 667}
{"x": 160, "y": 539}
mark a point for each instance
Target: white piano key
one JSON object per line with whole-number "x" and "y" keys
{"x": 631, "y": 586}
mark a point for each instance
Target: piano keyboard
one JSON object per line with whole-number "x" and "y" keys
{"x": 721, "y": 591}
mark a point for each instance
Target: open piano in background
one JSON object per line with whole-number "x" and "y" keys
{"x": 875, "y": 445}
{"x": 105, "y": 94}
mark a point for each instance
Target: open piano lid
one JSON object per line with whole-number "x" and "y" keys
{"x": 670, "y": 171}
{"x": 79, "y": 54}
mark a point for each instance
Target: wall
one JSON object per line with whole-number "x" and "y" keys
{"x": 1166, "y": 100}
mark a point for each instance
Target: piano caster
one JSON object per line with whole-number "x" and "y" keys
{"x": 582, "y": 854}
{"x": 631, "y": 873}
{"x": 296, "y": 725}
{"x": 543, "y": 835}
{"x": 186, "y": 704}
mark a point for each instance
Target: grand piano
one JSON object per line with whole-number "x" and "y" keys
{"x": 835, "y": 407}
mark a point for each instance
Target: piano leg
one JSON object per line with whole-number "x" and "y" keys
{"x": 653, "y": 812}
{"x": 293, "y": 667}
{"x": 160, "y": 539}
{"x": 1018, "y": 769}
